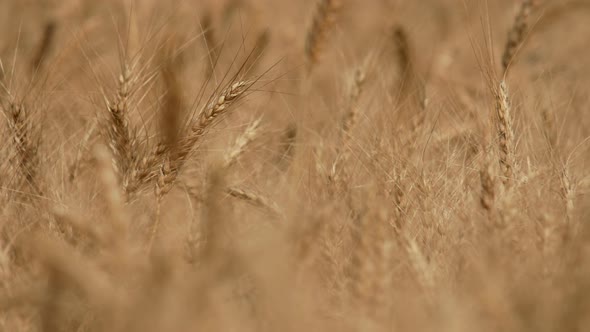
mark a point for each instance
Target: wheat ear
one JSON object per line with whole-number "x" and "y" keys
{"x": 209, "y": 115}
{"x": 505, "y": 133}
{"x": 122, "y": 138}
{"x": 241, "y": 143}
{"x": 169, "y": 161}
{"x": 517, "y": 33}
{"x": 322, "y": 22}
{"x": 355, "y": 88}
{"x": 254, "y": 199}
{"x": 26, "y": 142}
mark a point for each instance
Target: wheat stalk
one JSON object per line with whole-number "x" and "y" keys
{"x": 171, "y": 160}
{"x": 122, "y": 137}
{"x": 488, "y": 192}
{"x": 113, "y": 194}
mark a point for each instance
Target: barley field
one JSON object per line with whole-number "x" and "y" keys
{"x": 313, "y": 165}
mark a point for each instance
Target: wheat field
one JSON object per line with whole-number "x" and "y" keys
{"x": 313, "y": 165}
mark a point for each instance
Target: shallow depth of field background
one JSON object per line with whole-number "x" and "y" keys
{"x": 313, "y": 165}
